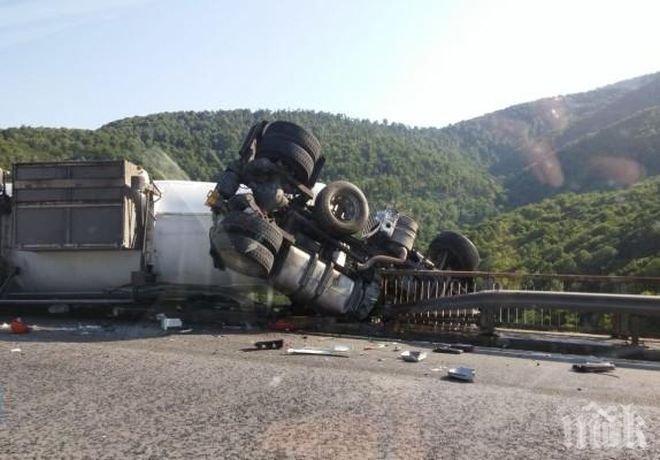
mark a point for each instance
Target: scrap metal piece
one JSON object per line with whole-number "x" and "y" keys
{"x": 465, "y": 347}
{"x": 447, "y": 349}
{"x": 338, "y": 351}
{"x": 463, "y": 373}
{"x": 413, "y": 356}
{"x": 594, "y": 366}
{"x": 269, "y": 344}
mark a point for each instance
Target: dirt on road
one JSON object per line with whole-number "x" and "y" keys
{"x": 132, "y": 391}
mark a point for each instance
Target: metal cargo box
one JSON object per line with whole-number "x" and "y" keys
{"x": 74, "y": 205}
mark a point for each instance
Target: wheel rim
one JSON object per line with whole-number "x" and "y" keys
{"x": 345, "y": 207}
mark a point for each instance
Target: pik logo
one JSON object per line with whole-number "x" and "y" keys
{"x": 604, "y": 427}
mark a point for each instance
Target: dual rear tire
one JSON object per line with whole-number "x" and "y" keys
{"x": 246, "y": 243}
{"x": 292, "y": 146}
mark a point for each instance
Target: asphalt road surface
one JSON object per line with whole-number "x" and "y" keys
{"x": 130, "y": 391}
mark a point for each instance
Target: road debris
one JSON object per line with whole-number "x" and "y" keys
{"x": 19, "y": 327}
{"x": 465, "y": 347}
{"x": 168, "y": 323}
{"x": 374, "y": 347}
{"x": 447, "y": 349}
{"x": 269, "y": 344}
{"x": 337, "y": 350}
{"x": 413, "y": 356}
{"x": 594, "y": 366}
{"x": 463, "y": 373}
{"x": 15, "y": 350}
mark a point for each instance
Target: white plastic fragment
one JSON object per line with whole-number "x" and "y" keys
{"x": 168, "y": 323}
{"x": 413, "y": 356}
{"x": 15, "y": 350}
{"x": 341, "y": 348}
{"x": 337, "y": 350}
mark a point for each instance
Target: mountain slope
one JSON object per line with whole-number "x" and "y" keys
{"x": 530, "y": 147}
{"x": 599, "y": 232}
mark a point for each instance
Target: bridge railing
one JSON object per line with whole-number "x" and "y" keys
{"x": 488, "y": 300}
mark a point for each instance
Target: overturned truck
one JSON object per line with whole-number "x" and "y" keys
{"x": 318, "y": 244}
{"x": 102, "y": 232}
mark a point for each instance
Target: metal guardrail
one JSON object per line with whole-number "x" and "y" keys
{"x": 488, "y": 300}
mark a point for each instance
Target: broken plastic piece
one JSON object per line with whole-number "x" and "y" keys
{"x": 337, "y": 350}
{"x": 19, "y": 327}
{"x": 168, "y": 323}
{"x": 413, "y": 356}
{"x": 594, "y": 366}
{"x": 462, "y": 373}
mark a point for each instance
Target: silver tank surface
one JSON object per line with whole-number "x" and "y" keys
{"x": 336, "y": 298}
{"x": 180, "y": 246}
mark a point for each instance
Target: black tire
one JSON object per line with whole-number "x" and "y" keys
{"x": 290, "y": 154}
{"x": 255, "y": 227}
{"x": 458, "y": 252}
{"x": 341, "y": 208}
{"x": 243, "y": 254}
{"x": 228, "y": 184}
{"x": 405, "y": 232}
{"x": 294, "y": 133}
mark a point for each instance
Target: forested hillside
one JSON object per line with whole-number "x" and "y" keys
{"x": 418, "y": 171}
{"x": 595, "y": 140}
{"x": 456, "y": 177}
{"x": 598, "y": 232}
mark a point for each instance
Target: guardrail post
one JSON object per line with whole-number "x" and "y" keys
{"x": 487, "y": 321}
{"x": 617, "y": 326}
{"x": 634, "y": 330}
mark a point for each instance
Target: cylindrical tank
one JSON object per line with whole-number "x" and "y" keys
{"x": 302, "y": 282}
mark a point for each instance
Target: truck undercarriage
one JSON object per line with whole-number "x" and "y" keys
{"x": 323, "y": 250}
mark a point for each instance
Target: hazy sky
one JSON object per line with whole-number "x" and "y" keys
{"x": 79, "y": 63}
